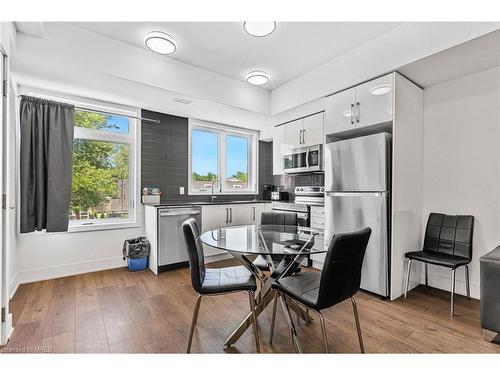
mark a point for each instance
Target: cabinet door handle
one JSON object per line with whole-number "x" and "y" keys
{"x": 253, "y": 213}
{"x": 358, "y": 112}
{"x": 300, "y": 137}
{"x": 227, "y": 215}
{"x": 304, "y": 136}
{"x": 230, "y": 214}
{"x": 352, "y": 111}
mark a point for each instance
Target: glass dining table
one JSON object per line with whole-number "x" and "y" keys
{"x": 283, "y": 248}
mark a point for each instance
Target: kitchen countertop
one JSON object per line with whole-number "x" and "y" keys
{"x": 206, "y": 203}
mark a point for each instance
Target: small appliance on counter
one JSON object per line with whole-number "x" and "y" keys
{"x": 278, "y": 195}
{"x": 267, "y": 190}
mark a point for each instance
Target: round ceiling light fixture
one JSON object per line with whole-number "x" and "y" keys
{"x": 257, "y": 77}
{"x": 259, "y": 29}
{"x": 160, "y": 42}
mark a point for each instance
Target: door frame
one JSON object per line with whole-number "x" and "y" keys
{"x": 6, "y": 322}
{"x": 3, "y": 258}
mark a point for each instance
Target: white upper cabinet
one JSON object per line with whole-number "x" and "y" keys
{"x": 367, "y": 104}
{"x": 278, "y": 148}
{"x": 340, "y": 111}
{"x": 374, "y": 101}
{"x": 293, "y": 134}
{"x": 312, "y": 130}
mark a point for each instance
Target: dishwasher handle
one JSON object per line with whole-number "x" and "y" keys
{"x": 179, "y": 212}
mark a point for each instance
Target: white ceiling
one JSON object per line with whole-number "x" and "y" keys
{"x": 467, "y": 58}
{"x": 225, "y": 48}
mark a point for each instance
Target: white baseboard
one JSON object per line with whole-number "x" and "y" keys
{"x": 69, "y": 269}
{"x": 13, "y": 285}
{"x": 443, "y": 282}
{"x": 436, "y": 281}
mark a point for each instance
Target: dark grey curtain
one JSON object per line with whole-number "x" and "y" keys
{"x": 46, "y": 164}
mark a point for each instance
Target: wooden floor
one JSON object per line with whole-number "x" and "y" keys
{"x": 122, "y": 312}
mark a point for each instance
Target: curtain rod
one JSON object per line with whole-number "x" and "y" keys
{"x": 83, "y": 109}
{"x": 117, "y": 114}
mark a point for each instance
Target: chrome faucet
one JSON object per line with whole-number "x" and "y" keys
{"x": 220, "y": 188}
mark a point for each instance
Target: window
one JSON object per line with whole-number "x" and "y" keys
{"x": 223, "y": 153}
{"x": 101, "y": 192}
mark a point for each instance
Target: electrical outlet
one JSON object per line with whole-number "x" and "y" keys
{"x": 181, "y": 190}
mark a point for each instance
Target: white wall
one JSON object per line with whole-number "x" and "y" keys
{"x": 407, "y": 43}
{"x": 462, "y": 162}
{"x": 43, "y": 256}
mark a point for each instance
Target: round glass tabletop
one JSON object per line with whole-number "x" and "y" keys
{"x": 266, "y": 239}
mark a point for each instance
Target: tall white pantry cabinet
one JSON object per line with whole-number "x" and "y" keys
{"x": 393, "y": 104}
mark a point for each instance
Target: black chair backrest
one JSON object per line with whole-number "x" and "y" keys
{"x": 195, "y": 252}
{"x": 279, "y": 219}
{"x": 449, "y": 234}
{"x": 341, "y": 275}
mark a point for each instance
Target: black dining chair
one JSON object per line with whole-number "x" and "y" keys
{"x": 215, "y": 281}
{"x": 339, "y": 280}
{"x": 447, "y": 243}
{"x": 279, "y": 220}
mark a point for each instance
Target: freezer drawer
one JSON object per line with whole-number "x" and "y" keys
{"x": 347, "y": 212}
{"x": 358, "y": 164}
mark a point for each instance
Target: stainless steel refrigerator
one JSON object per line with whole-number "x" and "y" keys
{"x": 357, "y": 195}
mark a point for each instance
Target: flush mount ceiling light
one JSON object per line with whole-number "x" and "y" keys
{"x": 380, "y": 89}
{"x": 259, "y": 29}
{"x": 257, "y": 77}
{"x": 160, "y": 42}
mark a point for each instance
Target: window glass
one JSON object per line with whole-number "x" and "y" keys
{"x": 100, "y": 185}
{"x": 236, "y": 163}
{"x": 98, "y": 121}
{"x": 204, "y": 159}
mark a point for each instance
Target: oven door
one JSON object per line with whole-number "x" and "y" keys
{"x": 302, "y": 217}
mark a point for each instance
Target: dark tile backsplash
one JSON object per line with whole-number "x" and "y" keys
{"x": 164, "y": 159}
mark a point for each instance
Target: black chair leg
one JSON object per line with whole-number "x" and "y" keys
{"x": 193, "y": 322}
{"x": 408, "y": 271}
{"x": 467, "y": 282}
{"x": 452, "y": 291}
{"x": 358, "y": 326}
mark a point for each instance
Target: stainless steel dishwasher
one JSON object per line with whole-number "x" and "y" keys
{"x": 172, "y": 252}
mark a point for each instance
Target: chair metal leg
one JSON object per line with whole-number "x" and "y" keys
{"x": 251, "y": 297}
{"x": 291, "y": 326}
{"x": 426, "y": 274}
{"x": 273, "y": 319}
{"x": 323, "y": 330}
{"x": 452, "y": 290}
{"x": 408, "y": 270}
{"x": 358, "y": 326}
{"x": 193, "y": 322}
{"x": 467, "y": 282}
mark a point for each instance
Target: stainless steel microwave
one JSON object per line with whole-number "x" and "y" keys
{"x": 304, "y": 159}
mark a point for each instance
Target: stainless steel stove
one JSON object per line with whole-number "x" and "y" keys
{"x": 305, "y": 196}
{"x": 310, "y": 195}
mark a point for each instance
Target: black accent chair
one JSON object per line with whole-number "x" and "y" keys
{"x": 339, "y": 280}
{"x": 447, "y": 243}
{"x": 279, "y": 220}
{"x": 215, "y": 281}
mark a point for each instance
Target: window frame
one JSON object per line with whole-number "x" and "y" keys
{"x": 223, "y": 131}
{"x": 132, "y": 139}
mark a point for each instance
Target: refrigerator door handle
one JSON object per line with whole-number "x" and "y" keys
{"x": 356, "y": 194}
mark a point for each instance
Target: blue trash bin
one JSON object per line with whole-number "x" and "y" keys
{"x": 137, "y": 264}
